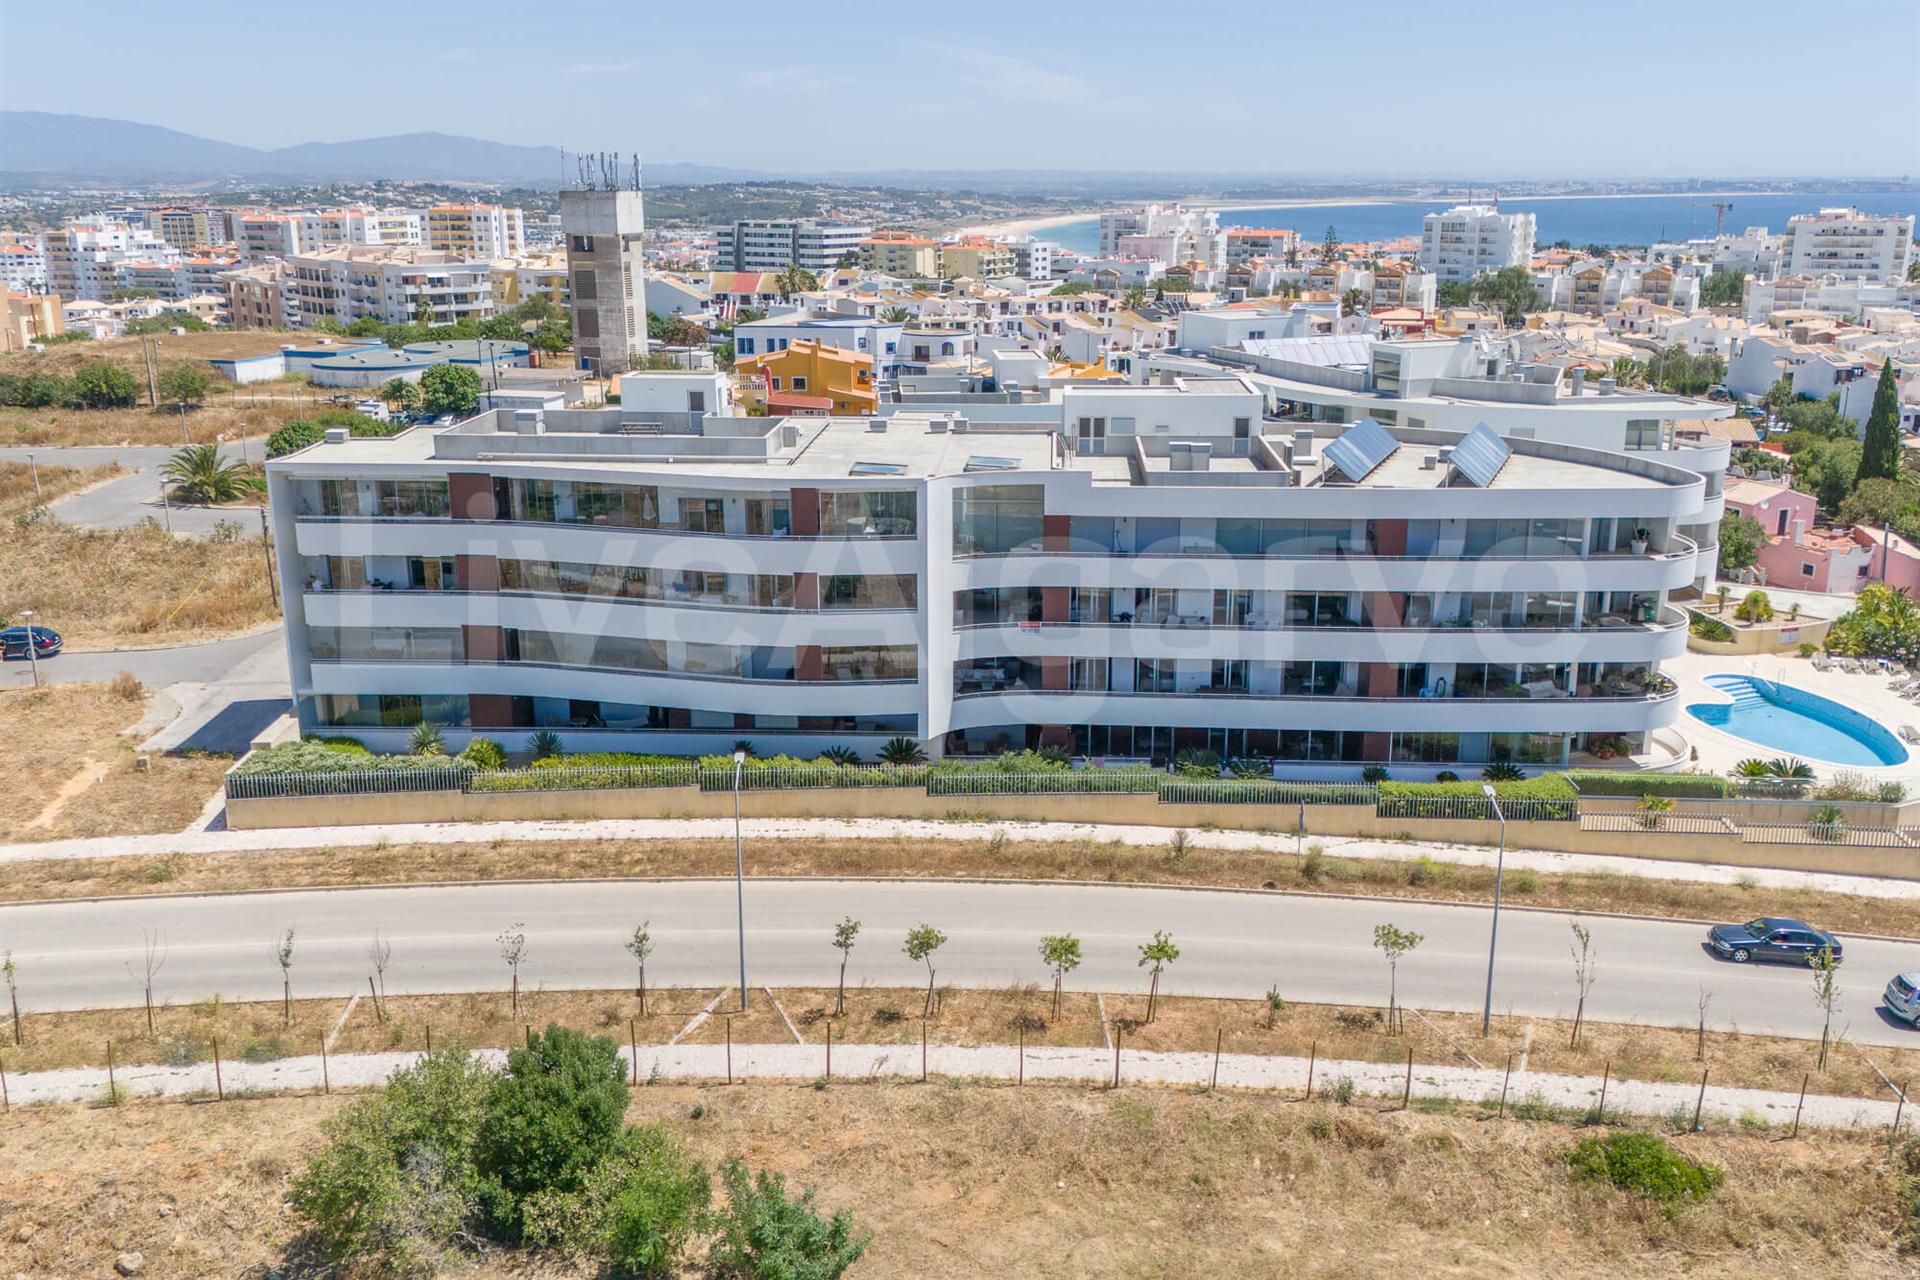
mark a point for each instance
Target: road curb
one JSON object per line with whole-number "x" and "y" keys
{"x": 951, "y": 880}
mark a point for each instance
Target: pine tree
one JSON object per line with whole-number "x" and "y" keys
{"x": 1880, "y": 451}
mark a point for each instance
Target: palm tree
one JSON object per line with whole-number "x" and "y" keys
{"x": 401, "y": 394}
{"x": 1135, "y": 296}
{"x": 200, "y": 474}
{"x": 896, "y": 315}
{"x": 1353, "y": 302}
{"x": 902, "y": 750}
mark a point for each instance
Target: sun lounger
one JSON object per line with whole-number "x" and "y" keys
{"x": 1821, "y": 662}
{"x": 1910, "y": 733}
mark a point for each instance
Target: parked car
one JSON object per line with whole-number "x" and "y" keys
{"x": 1772, "y": 938}
{"x": 46, "y": 642}
{"x": 1903, "y": 997}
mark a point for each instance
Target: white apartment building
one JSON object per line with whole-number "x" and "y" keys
{"x": 1126, "y": 572}
{"x": 393, "y": 228}
{"x": 1849, "y": 244}
{"x": 394, "y": 286}
{"x": 1832, "y": 294}
{"x": 84, "y": 262}
{"x": 475, "y": 230}
{"x": 23, "y": 267}
{"x": 1246, "y": 244}
{"x": 1457, "y": 384}
{"x": 774, "y": 244}
{"x": 1195, "y": 232}
{"x": 1472, "y": 240}
{"x": 1032, "y": 259}
{"x": 1755, "y": 251}
{"x": 262, "y": 234}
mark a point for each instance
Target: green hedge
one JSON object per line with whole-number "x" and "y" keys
{"x": 1709, "y": 628}
{"x": 607, "y": 760}
{"x": 1546, "y": 786}
{"x": 559, "y": 776}
{"x": 1255, "y": 791}
{"x": 329, "y": 757}
{"x": 297, "y": 435}
{"x": 1609, "y": 782}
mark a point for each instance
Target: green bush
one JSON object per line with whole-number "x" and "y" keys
{"x": 550, "y": 1122}
{"x": 396, "y": 1181}
{"x": 484, "y": 753}
{"x": 1051, "y": 760}
{"x": 334, "y": 757}
{"x": 661, "y": 1203}
{"x": 1644, "y": 1163}
{"x": 1546, "y": 786}
{"x": 1709, "y": 628}
{"x": 765, "y": 1235}
{"x": 1609, "y": 782}
{"x": 1197, "y": 763}
{"x": 301, "y": 432}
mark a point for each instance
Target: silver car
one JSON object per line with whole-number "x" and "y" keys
{"x": 1903, "y": 997}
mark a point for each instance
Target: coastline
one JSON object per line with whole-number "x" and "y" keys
{"x": 1032, "y": 226}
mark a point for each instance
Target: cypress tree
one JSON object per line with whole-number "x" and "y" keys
{"x": 1880, "y": 451}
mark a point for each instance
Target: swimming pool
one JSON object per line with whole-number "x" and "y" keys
{"x": 1779, "y": 716}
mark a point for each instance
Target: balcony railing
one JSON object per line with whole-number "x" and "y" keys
{"x": 1685, "y": 548}
{"x": 703, "y": 676}
{"x": 587, "y": 597}
{"x": 1670, "y": 619}
{"x": 1659, "y": 690}
{"x": 315, "y": 518}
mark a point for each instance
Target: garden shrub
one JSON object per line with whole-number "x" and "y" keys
{"x": 1644, "y": 1163}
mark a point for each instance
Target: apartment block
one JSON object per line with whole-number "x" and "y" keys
{"x": 23, "y": 267}
{"x": 1849, "y": 244}
{"x": 976, "y": 258}
{"x": 1194, "y": 232}
{"x": 774, "y": 244}
{"x": 261, "y": 297}
{"x": 394, "y": 286}
{"x": 1245, "y": 244}
{"x": 1474, "y": 240}
{"x": 900, "y": 253}
{"x": 475, "y": 230}
{"x": 606, "y": 265}
{"x": 182, "y": 228}
{"x": 808, "y": 378}
{"x": 1124, "y": 571}
{"x": 84, "y": 261}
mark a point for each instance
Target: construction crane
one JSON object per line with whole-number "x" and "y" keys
{"x": 1719, "y": 208}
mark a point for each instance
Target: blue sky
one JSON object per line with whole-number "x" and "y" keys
{"x": 1341, "y": 89}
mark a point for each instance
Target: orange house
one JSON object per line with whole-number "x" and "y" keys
{"x": 810, "y": 369}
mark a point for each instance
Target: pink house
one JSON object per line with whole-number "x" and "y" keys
{"x": 1797, "y": 554}
{"x": 1897, "y": 565}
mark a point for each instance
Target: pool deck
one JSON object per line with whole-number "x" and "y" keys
{"x": 1871, "y": 695}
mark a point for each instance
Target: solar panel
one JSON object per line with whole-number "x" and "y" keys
{"x": 1360, "y": 448}
{"x": 1479, "y": 456}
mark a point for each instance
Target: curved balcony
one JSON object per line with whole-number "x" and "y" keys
{"x": 701, "y": 692}
{"x": 695, "y": 621}
{"x": 1196, "y": 637}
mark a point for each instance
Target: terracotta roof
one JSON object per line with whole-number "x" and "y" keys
{"x": 790, "y": 400}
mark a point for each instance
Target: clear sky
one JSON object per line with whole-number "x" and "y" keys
{"x": 1331, "y": 87}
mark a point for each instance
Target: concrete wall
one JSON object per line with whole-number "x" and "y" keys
{"x": 911, "y": 802}
{"x": 1779, "y": 636}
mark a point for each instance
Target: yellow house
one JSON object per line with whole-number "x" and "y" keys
{"x": 901, "y": 253}
{"x": 976, "y": 258}
{"x": 808, "y": 378}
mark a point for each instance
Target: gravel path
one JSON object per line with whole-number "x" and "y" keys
{"x": 1003, "y": 1062}
{"x": 203, "y": 842}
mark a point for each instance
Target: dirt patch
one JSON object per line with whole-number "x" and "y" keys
{"x": 113, "y": 588}
{"x": 210, "y": 344}
{"x": 982, "y": 859}
{"x": 963, "y": 1180}
{"x": 183, "y": 1033}
{"x": 230, "y": 413}
{"x": 66, "y": 770}
{"x": 18, "y": 494}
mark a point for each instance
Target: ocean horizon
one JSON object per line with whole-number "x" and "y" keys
{"x": 1639, "y": 220}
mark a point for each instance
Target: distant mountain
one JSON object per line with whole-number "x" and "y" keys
{"x": 86, "y": 146}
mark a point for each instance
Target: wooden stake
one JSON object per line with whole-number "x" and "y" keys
{"x": 1805, "y": 1076}
{"x": 923, "y": 1051}
{"x": 1406, "y": 1098}
{"x": 149, "y": 1010}
{"x": 1313, "y": 1056}
{"x": 113, "y": 1090}
{"x": 1217, "y": 1036}
{"x": 326, "y": 1084}
{"x": 219, "y": 1089}
{"x": 528, "y": 1027}
{"x": 378, "y": 1012}
{"x": 729, "y": 1048}
{"x": 429, "y": 1039}
{"x": 6, "y": 1103}
{"x": 1504, "y": 1082}
{"x": 829, "y": 1049}
{"x": 1700, "y": 1101}
{"x": 633, "y": 1049}
{"x": 1022, "y": 1077}
{"x": 1898, "y": 1108}
{"x": 1600, "y": 1116}
{"x": 1118, "y": 1036}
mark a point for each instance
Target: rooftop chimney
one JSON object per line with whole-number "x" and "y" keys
{"x": 337, "y": 435}
{"x": 528, "y": 422}
{"x": 1303, "y": 444}
{"x": 1428, "y": 461}
{"x": 1606, "y": 386}
{"x": 1579, "y": 381}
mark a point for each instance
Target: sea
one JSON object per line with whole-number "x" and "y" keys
{"x": 1626, "y": 220}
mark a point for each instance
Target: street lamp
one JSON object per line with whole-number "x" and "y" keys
{"x": 33, "y": 654}
{"x": 1493, "y": 941}
{"x": 740, "y": 875}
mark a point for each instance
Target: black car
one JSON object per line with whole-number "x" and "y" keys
{"x": 1772, "y": 938}
{"x": 46, "y": 642}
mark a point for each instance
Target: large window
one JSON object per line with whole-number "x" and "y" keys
{"x": 1523, "y": 538}
{"x": 870, "y": 662}
{"x": 868, "y": 513}
{"x": 389, "y": 710}
{"x": 386, "y": 644}
{"x": 735, "y": 590}
{"x": 869, "y": 591}
{"x": 996, "y": 519}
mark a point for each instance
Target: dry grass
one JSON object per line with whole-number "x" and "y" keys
{"x": 964, "y": 1180}
{"x": 212, "y": 344}
{"x": 65, "y": 769}
{"x": 983, "y": 859}
{"x": 18, "y": 494}
{"x": 113, "y": 588}
{"x": 224, "y": 414}
{"x": 878, "y": 1015}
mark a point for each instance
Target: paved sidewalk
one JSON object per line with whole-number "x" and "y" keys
{"x": 1004, "y": 1062}
{"x": 209, "y": 842}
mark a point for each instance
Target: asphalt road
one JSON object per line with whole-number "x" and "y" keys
{"x": 157, "y": 668}
{"x": 126, "y": 501}
{"x": 86, "y": 954}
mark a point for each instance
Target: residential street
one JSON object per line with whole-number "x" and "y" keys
{"x": 76, "y": 954}
{"x": 129, "y": 499}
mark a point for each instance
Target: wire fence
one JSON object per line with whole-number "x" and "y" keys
{"x": 590, "y": 777}
{"x": 811, "y": 777}
{"x": 1066, "y": 782}
{"x": 1477, "y": 808}
{"x": 344, "y": 782}
{"x": 1257, "y": 791}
